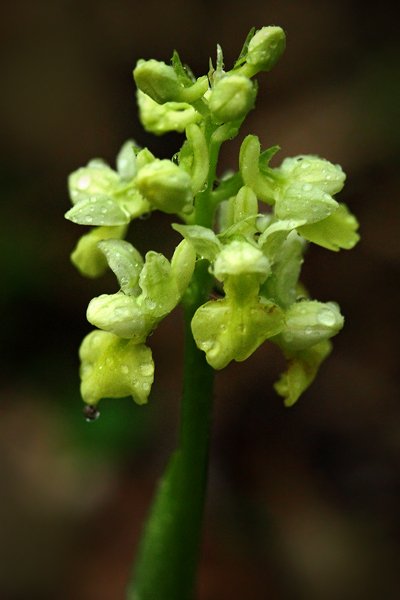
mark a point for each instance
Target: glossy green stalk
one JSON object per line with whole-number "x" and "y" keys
{"x": 168, "y": 555}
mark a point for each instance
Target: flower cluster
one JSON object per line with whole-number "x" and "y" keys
{"x": 251, "y": 226}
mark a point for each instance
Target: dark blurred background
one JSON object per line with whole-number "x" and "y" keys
{"x": 303, "y": 503}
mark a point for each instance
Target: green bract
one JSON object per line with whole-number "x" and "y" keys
{"x": 245, "y": 233}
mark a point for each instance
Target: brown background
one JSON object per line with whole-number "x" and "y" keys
{"x": 303, "y": 503}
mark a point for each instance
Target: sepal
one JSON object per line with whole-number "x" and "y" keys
{"x": 311, "y": 169}
{"x": 87, "y": 256}
{"x": 97, "y": 210}
{"x": 204, "y": 241}
{"x": 337, "y": 231}
{"x": 95, "y": 179}
{"x": 126, "y": 161}
{"x": 125, "y": 261}
{"x": 308, "y": 323}
{"x": 304, "y": 201}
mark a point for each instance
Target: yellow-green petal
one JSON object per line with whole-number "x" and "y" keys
{"x": 114, "y": 368}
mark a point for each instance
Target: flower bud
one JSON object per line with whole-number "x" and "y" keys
{"x": 265, "y": 48}
{"x": 157, "y": 80}
{"x": 166, "y": 186}
{"x": 161, "y": 83}
{"x": 231, "y": 98}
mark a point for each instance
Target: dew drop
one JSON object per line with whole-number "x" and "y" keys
{"x": 83, "y": 182}
{"x": 307, "y": 187}
{"x": 146, "y": 370}
{"x": 308, "y": 330}
{"x": 90, "y": 413}
{"x": 125, "y": 369}
{"x": 327, "y": 318}
{"x": 144, "y": 216}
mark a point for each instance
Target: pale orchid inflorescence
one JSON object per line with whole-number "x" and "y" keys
{"x": 263, "y": 217}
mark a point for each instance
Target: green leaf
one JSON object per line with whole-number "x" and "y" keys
{"x": 97, "y": 210}
{"x": 114, "y": 368}
{"x": 204, "y": 240}
{"x": 125, "y": 261}
{"x": 337, "y": 231}
{"x": 302, "y": 369}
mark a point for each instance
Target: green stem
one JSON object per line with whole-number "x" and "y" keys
{"x": 166, "y": 564}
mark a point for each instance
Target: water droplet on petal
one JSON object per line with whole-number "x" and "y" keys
{"x": 327, "y": 318}
{"x": 83, "y": 182}
{"x": 146, "y": 370}
{"x": 90, "y": 413}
